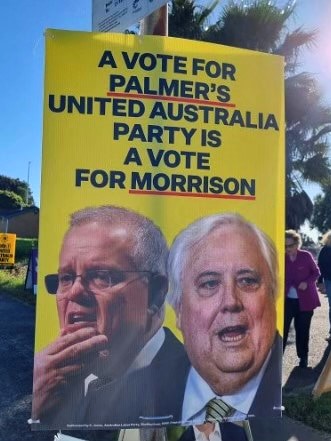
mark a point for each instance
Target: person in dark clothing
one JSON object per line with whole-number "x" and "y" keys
{"x": 324, "y": 263}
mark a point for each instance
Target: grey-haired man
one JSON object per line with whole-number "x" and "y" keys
{"x": 223, "y": 286}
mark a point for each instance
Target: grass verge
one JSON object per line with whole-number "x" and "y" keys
{"x": 12, "y": 282}
{"x": 315, "y": 413}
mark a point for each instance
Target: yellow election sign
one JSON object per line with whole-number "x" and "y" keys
{"x": 152, "y": 143}
{"x": 7, "y": 248}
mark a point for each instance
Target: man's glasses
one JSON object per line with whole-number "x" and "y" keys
{"x": 94, "y": 279}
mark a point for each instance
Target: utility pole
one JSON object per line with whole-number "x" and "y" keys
{"x": 156, "y": 23}
{"x": 27, "y": 185}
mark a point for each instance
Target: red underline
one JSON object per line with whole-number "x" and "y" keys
{"x": 169, "y": 98}
{"x": 191, "y": 195}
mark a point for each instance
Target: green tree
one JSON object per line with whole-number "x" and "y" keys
{"x": 18, "y": 187}
{"x": 261, "y": 25}
{"x": 10, "y": 200}
{"x": 188, "y": 20}
{"x": 308, "y": 123}
{"x": 255, "y": 25}
{"x": 322, "y": 210}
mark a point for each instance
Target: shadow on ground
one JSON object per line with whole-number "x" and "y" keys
{"x": 304, "y": 379}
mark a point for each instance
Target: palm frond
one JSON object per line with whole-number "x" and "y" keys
{"x": 295, "y": 40}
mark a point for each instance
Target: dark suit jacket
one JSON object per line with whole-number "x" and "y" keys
{"x": 268, "y": 399}
{"x": 229, "y": 432}
{"x": 154, "y": 395}
{"x": 154, "y": 391}
{"x": 149, "y": 396}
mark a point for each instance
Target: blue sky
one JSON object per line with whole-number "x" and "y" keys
{"x": 22, "y": 67}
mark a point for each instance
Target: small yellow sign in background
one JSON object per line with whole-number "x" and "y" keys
{"x": 7, "y": 248}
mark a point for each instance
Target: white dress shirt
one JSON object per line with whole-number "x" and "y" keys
{"x": 198, "y": 393}
{"x": 215, "y": 435}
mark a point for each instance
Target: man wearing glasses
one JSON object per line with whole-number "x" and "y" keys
{"x": 110, "y": 290}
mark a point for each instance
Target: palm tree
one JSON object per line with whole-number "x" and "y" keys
{"x": 255, "y": 25}
{"x": 322, "y": 209}
{"x": 187, "y": 20}
{"x": 308, "y": 123}
{"x": 261, "y": 25}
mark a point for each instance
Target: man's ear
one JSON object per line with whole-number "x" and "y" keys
{"x": 158, "y": 288}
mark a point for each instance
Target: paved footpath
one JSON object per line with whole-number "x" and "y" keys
{"x": 296, "y": 380}
{"x": 16, "y": 364}
{"x": 285, "y": 430}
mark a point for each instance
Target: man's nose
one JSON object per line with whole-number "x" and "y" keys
{"x": 231, "y": 300}
{"x": 78, "y": 292}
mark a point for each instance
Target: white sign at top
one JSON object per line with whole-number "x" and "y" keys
{"x": 119, "y": 15}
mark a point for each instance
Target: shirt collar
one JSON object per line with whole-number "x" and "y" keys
{"x": 143, "y": 359}
{"x": 148, "y": 352}
{"x": 198, "y": 393}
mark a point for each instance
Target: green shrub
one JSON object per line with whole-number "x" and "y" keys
{"x": 23, "y": 248}
{"x": 315, "y": 413}
{"x": 10, "y": 199}
{"x": 12, "y": 281}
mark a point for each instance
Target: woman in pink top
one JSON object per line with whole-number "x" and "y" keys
{"x": 301, "y": 297}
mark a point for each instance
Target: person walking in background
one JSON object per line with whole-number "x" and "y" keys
{"x": 324, "y": 263}
{"x": 301, "y": 297}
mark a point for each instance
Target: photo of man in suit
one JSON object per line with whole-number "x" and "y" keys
{"x": 112, "y": 359}
{"x": 223, "y": 277}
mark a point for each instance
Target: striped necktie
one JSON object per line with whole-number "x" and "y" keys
{"x": 218, "y": 410}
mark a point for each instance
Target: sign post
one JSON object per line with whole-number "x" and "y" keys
{"x": 32, "y": 274}
{"x": 156, "y": 23}
{"x": 119, "y": 15}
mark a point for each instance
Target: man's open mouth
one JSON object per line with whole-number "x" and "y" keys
{"x": 233, "y": 334}
{"x": 82, "y": 318}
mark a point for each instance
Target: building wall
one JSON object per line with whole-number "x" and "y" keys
{"x": 24, "y": 225}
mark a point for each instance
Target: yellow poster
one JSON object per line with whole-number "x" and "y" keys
{"x": 7, "y": 248}
{"x": 153, "y": 144}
